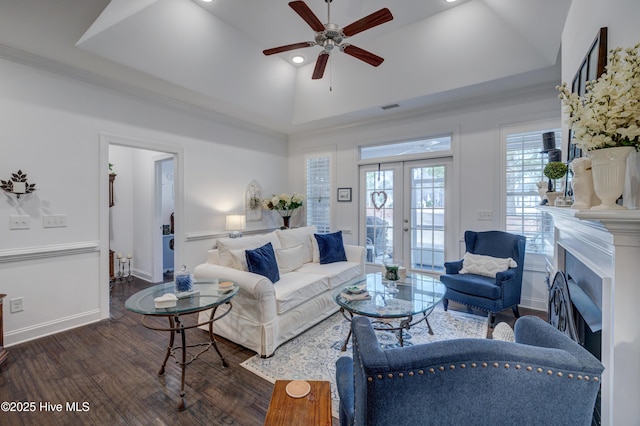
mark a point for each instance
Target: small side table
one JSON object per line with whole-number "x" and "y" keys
{"x": 206, "y": 296}
{"x": 3, "y": 351}
{"x": 313, "y": 409}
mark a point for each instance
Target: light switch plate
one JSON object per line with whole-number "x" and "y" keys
{"x": 21, "y": 221}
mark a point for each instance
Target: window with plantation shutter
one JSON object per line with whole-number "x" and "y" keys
{"x": 318, "y": 192}
{"x": 524, "y": 166}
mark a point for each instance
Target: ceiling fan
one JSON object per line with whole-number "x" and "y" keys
{"x": 330, "y": 36}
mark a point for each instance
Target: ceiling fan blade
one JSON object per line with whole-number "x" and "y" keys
{"x": 370, "y": 21}
{"x": 288, "y": 47}
{"x": 363, "y": 55}
{"x": 307, "y": 14}
{"x": 321, "y": 64}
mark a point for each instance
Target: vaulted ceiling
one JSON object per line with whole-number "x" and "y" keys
{"x": 209, "y": 55}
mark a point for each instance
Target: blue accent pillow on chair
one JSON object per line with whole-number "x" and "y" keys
{"x": 331, "y": 248}
{"x": 263, "y": 261}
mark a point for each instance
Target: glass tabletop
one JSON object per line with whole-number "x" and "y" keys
{"x": 205, "y": 295}
{"x": 416, "y": 294}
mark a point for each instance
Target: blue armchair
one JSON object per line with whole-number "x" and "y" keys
{"x": 487, "y": 293}
{"x": 544, "y": 378}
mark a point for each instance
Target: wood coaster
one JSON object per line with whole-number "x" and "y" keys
{"x": 225, "y": 284}
{"x": 298, "y": 389}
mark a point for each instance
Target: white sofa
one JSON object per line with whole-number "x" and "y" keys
{"x": 266, "y": 314}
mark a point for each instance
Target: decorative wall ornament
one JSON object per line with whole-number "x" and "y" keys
{"x": 18, "y": 184}
{"x": 253, "y": 202}
{"x": 379, "y": 199}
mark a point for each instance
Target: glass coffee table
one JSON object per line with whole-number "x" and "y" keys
{"x": 416, "y": 295}
{"x": 205, "y": 295}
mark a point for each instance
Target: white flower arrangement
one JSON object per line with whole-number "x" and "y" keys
{"x": 283, "y": 202}
{"x": 608, "y": 115}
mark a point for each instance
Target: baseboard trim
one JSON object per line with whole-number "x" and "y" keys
{"x": 37, "y": 331}
{"x": 536, "y": 304}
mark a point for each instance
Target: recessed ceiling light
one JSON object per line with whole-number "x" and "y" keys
{"x": 298, "y": 59}
{"x": 209, "y": 1}
{"x": 448, "y": 1}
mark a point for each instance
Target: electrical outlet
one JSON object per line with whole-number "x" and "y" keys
{"x": 15, "y": 305}
{"x": 54, "y": 220}
{"x": 19, "y": 221}
{"x": 484, "y": 215}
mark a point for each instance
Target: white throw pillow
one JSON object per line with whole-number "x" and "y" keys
{"x": 298, "y": 236}
{"x": 226, "y": 245}
{"x": 487, "y": 266}
{"x": 239, "y": 259}
{"x": 289, "y": 259}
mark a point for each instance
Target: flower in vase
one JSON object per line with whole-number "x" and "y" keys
{"x": 283, "y": 201}
{"x": 608, "y": 115}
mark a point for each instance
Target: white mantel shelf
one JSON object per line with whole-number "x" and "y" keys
{"x": 608, "y": 242}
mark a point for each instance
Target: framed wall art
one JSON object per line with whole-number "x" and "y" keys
{"x": 591, "y": 67}
{"x": 344, "y": 194}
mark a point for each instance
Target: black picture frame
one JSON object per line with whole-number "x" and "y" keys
{"x": 344, "y": 195}
{"x": 591, "y": 67}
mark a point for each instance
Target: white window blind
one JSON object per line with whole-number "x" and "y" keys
{"x": 524, "y": 166}
{"x": 318, "y": 192}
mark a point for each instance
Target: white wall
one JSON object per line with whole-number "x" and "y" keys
{"x": 51, "y": 131}
{"x": 478, "y": 157}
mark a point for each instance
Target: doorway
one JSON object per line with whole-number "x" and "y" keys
{"x": 134, "y": 224}
{"x": 165, "y": 218}
{"x": 405, "y": 211}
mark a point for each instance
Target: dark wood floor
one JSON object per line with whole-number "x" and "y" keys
{"x": 110, "y": 368}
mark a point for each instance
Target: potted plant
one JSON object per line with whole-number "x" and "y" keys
{"x": 554, "y": 170}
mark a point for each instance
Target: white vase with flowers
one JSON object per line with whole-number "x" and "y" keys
{"x": 606, "y": 122}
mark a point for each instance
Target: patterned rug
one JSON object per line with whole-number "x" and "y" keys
{"x": 312, "y": 355}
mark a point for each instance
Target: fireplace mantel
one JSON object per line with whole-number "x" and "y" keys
{"x": 608, "y": 243}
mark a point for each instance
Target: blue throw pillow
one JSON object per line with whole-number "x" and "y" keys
{"x": 263, "y": 261}
{"x": 331, "y": 247}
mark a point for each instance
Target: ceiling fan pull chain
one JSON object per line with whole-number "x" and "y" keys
{"x": 330, "y": 75}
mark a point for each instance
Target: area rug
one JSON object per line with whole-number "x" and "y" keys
{"x": 313, "y": 354}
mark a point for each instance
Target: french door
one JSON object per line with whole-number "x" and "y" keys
{"x": 404, "y": 213}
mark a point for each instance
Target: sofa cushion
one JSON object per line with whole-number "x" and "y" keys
{"x": 263, "y": 261}
{"x": 298, "y": 236}
{"x": 337, "y": 273}
{"x": 289, "y": 259}
{"x": 331, "y": 247}
{"x": 226, "y": 245}
{"x": 295, "y": 288}
{"x": 487, "y": 266}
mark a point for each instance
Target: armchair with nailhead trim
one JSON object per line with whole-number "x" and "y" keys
{"x": 542, "y": 378}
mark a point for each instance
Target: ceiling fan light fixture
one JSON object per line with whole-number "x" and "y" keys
{"x": 297, "y": 59}
{"x": 330, "y": 36}
{"x": 450, "y": 1}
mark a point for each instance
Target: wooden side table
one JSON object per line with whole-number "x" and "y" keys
{"x": 313, "y": 409}
{"x": 3, "y": 351}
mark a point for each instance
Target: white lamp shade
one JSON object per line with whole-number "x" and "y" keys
{"x": 236, "y": 222}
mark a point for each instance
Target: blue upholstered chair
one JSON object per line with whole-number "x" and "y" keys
{"x": 487, "y": 293}
{"x": 544, "y": 378}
